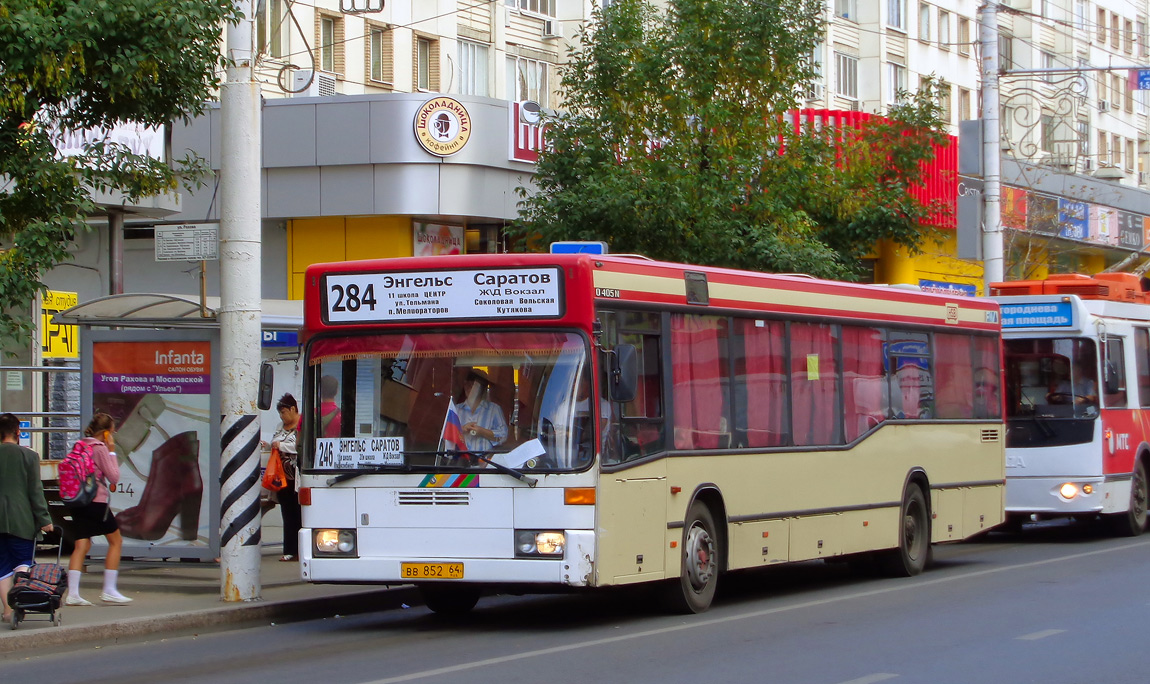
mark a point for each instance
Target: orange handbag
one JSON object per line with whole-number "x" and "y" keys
{"x": 275, "y": 478}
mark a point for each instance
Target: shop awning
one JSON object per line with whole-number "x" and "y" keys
{"x": 150, "y": 310}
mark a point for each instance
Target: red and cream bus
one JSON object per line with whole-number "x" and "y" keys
{"x": 652, "y": 422}
{"x": 1078, "y": 437}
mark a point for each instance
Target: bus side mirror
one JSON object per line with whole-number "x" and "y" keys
{"x": 267, "y": 374}
{"x": 624, "y": 381}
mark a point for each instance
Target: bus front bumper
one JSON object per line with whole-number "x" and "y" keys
{"x": 574, "y": 569}
{"x": 1066, "y": 496}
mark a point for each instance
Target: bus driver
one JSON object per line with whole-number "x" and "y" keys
{"x": 484, "y": 426}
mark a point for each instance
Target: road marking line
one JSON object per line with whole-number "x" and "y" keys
{"x": 1040, "y": 635}
{"x": 871, "y": 679}
{"x": 696, "y": 624}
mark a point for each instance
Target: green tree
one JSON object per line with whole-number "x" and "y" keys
{"x": 74, "y": 65}
{"x": 675, "y": 141}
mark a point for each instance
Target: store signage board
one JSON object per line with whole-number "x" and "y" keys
{"x": 188, "y": 242}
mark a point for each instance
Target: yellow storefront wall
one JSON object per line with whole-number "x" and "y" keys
{"x": 317, "y": 240}
{"x": 897, "y": 266}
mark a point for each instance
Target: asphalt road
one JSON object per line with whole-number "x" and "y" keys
{"x": 1057, "y": 604}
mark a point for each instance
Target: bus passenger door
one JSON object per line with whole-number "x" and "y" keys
{"x": 632, "y": 525}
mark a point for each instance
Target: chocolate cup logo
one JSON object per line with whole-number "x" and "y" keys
{"x": 442, "y": 126}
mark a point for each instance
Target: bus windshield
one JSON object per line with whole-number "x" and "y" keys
{"x": 445, "y": 402}
{"x": 1051, "y": 378}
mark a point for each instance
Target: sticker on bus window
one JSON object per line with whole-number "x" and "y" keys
{"x": 812, "y": 367}
{"x": 351, "y": 453}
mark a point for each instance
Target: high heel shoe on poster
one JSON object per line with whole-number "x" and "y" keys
{"x": 174, "y": 486}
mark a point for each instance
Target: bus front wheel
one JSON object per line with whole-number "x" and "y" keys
{"x": 699, "y": 567}
{"x": 910, "y": 557}
{"x": 1133, "y": 522}
{"x": 450, "y": 599}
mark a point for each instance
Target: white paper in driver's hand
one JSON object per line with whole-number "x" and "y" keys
{"x": 520, "y": 454}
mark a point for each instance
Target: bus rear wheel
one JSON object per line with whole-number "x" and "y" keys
{"x": 1133, "y": 522}
{"x": 450, "y": 599}
{"x": 913, "y": 551}
{"x": 699, "y": 565}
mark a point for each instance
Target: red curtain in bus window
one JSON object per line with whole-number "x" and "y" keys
{"x": 987, "y": 378}
{"x": 698, "y": 345}
{"x": 862, "y": 380}
{"x": 762, "y": 377}
{"x": 814, "y": 377}
{"x": 954, "y": 377}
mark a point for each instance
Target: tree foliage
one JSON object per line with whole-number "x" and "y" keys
{"x": 676, "y": 139}
{"x": 74, "y": 65}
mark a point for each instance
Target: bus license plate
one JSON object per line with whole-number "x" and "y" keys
{"x": 431, "y": 570}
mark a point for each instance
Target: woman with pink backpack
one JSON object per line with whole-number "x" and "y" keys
{"x": 95, "y": 519}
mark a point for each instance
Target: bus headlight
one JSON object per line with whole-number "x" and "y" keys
{"x": 1068, "y": 491}
{"x": 539, "y": 543}
{"x": 334, "y": 543}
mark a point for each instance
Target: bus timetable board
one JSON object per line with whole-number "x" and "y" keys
{"x": 443, "y": 295}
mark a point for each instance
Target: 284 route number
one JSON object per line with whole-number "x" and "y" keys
{"x": 350, "y": 298}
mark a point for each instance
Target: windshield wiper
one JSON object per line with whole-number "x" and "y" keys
{"x": 506, "y": 470}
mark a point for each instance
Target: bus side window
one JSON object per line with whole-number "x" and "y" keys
{"x": 1142, "y": 359}
{"x": 1114, "y": 373}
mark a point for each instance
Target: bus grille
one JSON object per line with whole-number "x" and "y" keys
{"x": 990, "y": 435}
{"x": 434, "y": 497}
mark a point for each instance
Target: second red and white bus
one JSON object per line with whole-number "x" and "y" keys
{"x": 1077, "y": 355}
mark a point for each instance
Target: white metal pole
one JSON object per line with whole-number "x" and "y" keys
{"x": 239, "y": 314}
{"x": 992, "y": 249}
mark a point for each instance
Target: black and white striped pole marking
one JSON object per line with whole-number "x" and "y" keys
{"x": 240, "y": 533}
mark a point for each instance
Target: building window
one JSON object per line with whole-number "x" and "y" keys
{"x": 1101, "y": 24}
{"x": 472, "y": 68}
{"x": 544, "y": 8}
{"x": 1129, "y": 154}
{"x": 380, "y": 60}
{"x": 943, "y": 30}
{"x": 896, "y": 14}
{"x": 1103, "y": 148}
{"x": 924, "y": 22}
{"x": 815, "y": 91}
{"x": 1114, "y": 32}
{"x": 269, "y": 25}
{"x": 1080, "y": 8}
{"x": 1128, "y": 37}
{"x": 964, "y": 104}
{"x": 1047, "y": 63}
{"x": 1005, "y": 51}
{"x": 1141, "y": 38}
{"x": 330, "y": 43}
{"x": 527, "y": 80}
{"x": 847, "y": 75}
{"x": 847, "y": 9}
{"x": 896, "y": 83}
{"x": 945, "y": 103}
{"x": 426, "y": 64}
{"x": 1117, "y": 91}
{"x": 963, "y": 36}
{"x": 1142, "y": 101}
{"x": 327, "y": 44}
{"x": 1047, "y": 127}
{"x": 1116, "y": 150}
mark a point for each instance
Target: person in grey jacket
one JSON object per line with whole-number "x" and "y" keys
{"x": 23, "y": 508}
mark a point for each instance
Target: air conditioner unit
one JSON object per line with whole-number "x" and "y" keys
{"x": 1143, "y": 178}
{"x": 551, "y": 29}
{"x": 856, "y": 106}
{"x": 1088, "y": 164}
{"x": 815, "y": 91}
{"x": 1104, "y": 105}
{"x": 323, "y": 85}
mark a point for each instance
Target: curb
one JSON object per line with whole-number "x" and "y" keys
{"x": 217, "y": 619}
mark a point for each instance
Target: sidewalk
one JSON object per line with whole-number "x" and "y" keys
{"x": 173, "y": 596}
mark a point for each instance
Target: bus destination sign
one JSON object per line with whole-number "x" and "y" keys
{"x": 444, "y": 295}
